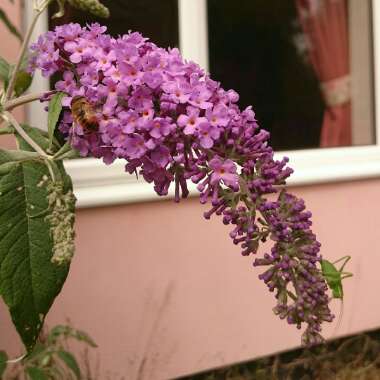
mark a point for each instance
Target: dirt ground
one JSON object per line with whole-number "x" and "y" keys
{"x": 352, "y": 358}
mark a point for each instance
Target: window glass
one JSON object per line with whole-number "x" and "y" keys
{"x": 157, "y": 20}
{"x": 302, "y": 64}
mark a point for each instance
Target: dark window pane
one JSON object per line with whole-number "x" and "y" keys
{"x": 157, "y": 20}
{"x": 252, "y": 50}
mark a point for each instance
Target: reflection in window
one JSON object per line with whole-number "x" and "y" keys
{"x": 291, "y": 60}
{"x": 157, "y": 20}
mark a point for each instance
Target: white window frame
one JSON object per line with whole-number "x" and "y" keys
{"x": 96, "y": 184}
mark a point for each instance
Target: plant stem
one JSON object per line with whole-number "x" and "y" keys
{"x": 10, "y": 104}
{"x": 48, "y": 164}
{"x": 10, "y": 118}
{"x": 24, "y": 46}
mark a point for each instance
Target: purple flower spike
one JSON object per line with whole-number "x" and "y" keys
{"x": 172, "y": 123}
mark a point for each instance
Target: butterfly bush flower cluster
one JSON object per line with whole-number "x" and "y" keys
{"x": 172, "y": 124}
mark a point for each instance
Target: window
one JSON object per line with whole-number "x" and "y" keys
{"x": 258, "y": 47}
{"x": 291, "y": 60}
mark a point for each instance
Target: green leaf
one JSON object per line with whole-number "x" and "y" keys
{"x": 8, "y": 23}
{"x": 29, "y": 281}
{"x": 84, "y": 337}
{"x": 16, "y": 155}
{"x": 23, "y": 82}
{"x": 55, "y": 108}
{"x": 7, "y": 167}
{"x": 56, "y": 332}
{"x": 35, "y": 373}
{"x": 69, "y": 332}
{"x": 4, "y": 70}
{"x": 7, "y": 130}
{"x": 3, "y": 362}
{"x": 66, "y": 152}
{"x": 39, "y": 136}
{"x": 70, "y": 361}
{"x": 10, "y": 159}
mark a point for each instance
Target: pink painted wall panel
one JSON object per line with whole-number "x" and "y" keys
{"x": 157, "y": 286}
{"x": 8, "y": 50}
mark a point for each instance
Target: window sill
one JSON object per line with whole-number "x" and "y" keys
{"x": 96, "y": 184}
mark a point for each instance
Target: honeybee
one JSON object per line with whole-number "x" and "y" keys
{"x": 84, "y": 114}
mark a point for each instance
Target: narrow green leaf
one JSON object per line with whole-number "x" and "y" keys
{"x": 66, "y": 147}
{"x": 69, "y": 332}
{"x": 7, "y": 167}
{"x": 55, "y": 108}
{"x": 7, "y": 130}
{"x": 4, "y": 70}
{"x": 10, "y": 159}
{"x": 23, "y": 82}
{"x": 56, "y": 332}
{"x": 16, "y": 155}
{"x": 67, "y": 152}
{"x": 84, "y": 337}
{"x": 35, "y": 373}
{"x": 8, "y": 23}
{"x": 39, "y": 136}
{"x": 29, "y": 281}
{"x": 3, "y": 362}
{"x": 70, "y": 361}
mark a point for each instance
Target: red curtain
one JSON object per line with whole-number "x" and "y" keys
{"x": 325, "y": 24}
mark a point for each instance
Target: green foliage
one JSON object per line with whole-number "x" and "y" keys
{"x": 8, "y": 23}
{"x": 23, "y": 78}
{"x": 29, "y": 281}
{"x": 51, "y": 357}
{"x": 37, "y": 208}
{"x": 7, "y": 130}
{"x": 66, "y": 332}
{"x": 3, "y": 362}
{"x": 36, "y": 373}
{"x": 39, "y": 136}
{"x": 23, "y": 82}
{"x": 4, "y": 71}
{"x": 66, "y": 151}
{"x": 16, "y": 156}
{"x": 55, "y": 108}
{"x": 70, "y": 361}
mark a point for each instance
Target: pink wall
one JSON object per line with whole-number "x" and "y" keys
{"x": 165, "y": 293}
{"x": 156, "y": 281}
{"x": 8, "y": 50}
